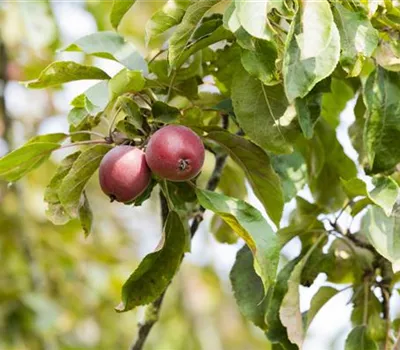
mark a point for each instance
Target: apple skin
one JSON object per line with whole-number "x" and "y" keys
{"x": 175, "y": 153}
{"x": 124, "y": 174}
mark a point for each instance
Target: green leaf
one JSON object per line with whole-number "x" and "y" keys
{"x": 51, "y": 192}
{"x": 257, "y": 167}
{"x": 96, "y": 97}
{"x": 244, "y": 39}
{"x": 73, "y": 184}
{"x": 65, "y": 71}
{"x": 290, "y": 309}
{"x": 358, "y": 339}
{"x": 218, "y": 35}
{"x": 131, "y": 110}
{"x": 323, "y": 295}
{"x": 56, "y": 137}
{"x": 358, "y": 38}
{"x": 167, "y": 17}
{"x": 55, "y": 211}
{"x": 334, "y": 102}
{"x": 165, "y": 113}
{"x": 222, "y": 231}
{"x": 356, "y": 130}
{"x": 193, "y": 68}
{"x": 86, "y": 215}
{"x": 18, "y": 163}
{"x": 387, "y": 55}
{"x": 383, "y": 232}
{"x": 225, "y": 67}
{"x": 291, "y": 168}
{"x": 76, "y": 116}
{"x": 79, "y": 101}
{"x": 185, "y": 30}
{"x": 125, "y": 81}
{"x": 303, "y": 221}
{"x": 326, "y": 164}
{"x": 260, "y": 62}
{"x": 253, "y": 16}
{"x": 385, "y": 193}
{"x": 146, "y": 194}
{"x": 308, "y": 110}
{"x": 355, "y": 187}
{"x": 87, "y": 124}
{"x": 208, "y": 26}
{"x": 157, "y": 269}
{"x": 111, "y": 46}
{"x": 230, "y": 19}
{"x": 359, "y": 206}
{"x": 382, "y": 139}
{"x": 118, "y": 11}
{"x": 127, "y": 128}
{"x": 344, "y": 262}
{"x": 276, "y": 332}
{"x": 312, "y": 48}
{"x": 181, "y": 196}
{"x": 248, "y": 288}
{"x": 258, "y": 109}
{"x": 376, "y": 325}
{"x": 249, "y": 224}
{"x": 232, "y": 182}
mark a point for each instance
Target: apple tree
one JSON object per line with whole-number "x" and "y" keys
{"x": 262, "y": 85}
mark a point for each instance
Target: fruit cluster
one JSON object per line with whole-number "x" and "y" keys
{"x": 174, "y": 153}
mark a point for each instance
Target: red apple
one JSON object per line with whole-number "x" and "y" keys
{"x": 175, "y": 153}
{"x": 124, "y": 174}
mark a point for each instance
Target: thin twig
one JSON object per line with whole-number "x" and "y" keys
{"x": 171, "y": 85}
{"x": 352, "y": 238}
{"x": 150, "y": 93}
{"x": 152, "y": 314}
{"x": 342, "y": 211}
{"x": 87, "y": 132}
{"x": 156, "y": 55}
{"x": 112, "y": 122}
{"x": 83, "y": 143}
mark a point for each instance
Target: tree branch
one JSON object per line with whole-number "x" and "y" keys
{"x": 351, "y": 237}
{"x": 151, "y": 317}
{"x": 153, "y": 310}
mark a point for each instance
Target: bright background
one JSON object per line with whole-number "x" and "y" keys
{"x": 57, "y": 289}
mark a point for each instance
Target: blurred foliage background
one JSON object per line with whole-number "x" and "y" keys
{"x": 58, "y": 290}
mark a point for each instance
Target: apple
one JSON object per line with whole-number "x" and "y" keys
{"x": 175, "y": 153}
{"x": 124, "y": 174}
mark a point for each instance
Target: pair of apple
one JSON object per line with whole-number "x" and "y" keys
{"x": 174, "y": 153}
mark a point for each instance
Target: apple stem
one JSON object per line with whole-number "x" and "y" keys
{"x": 82, "y": 143}
{"x": 87, "y": 132}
